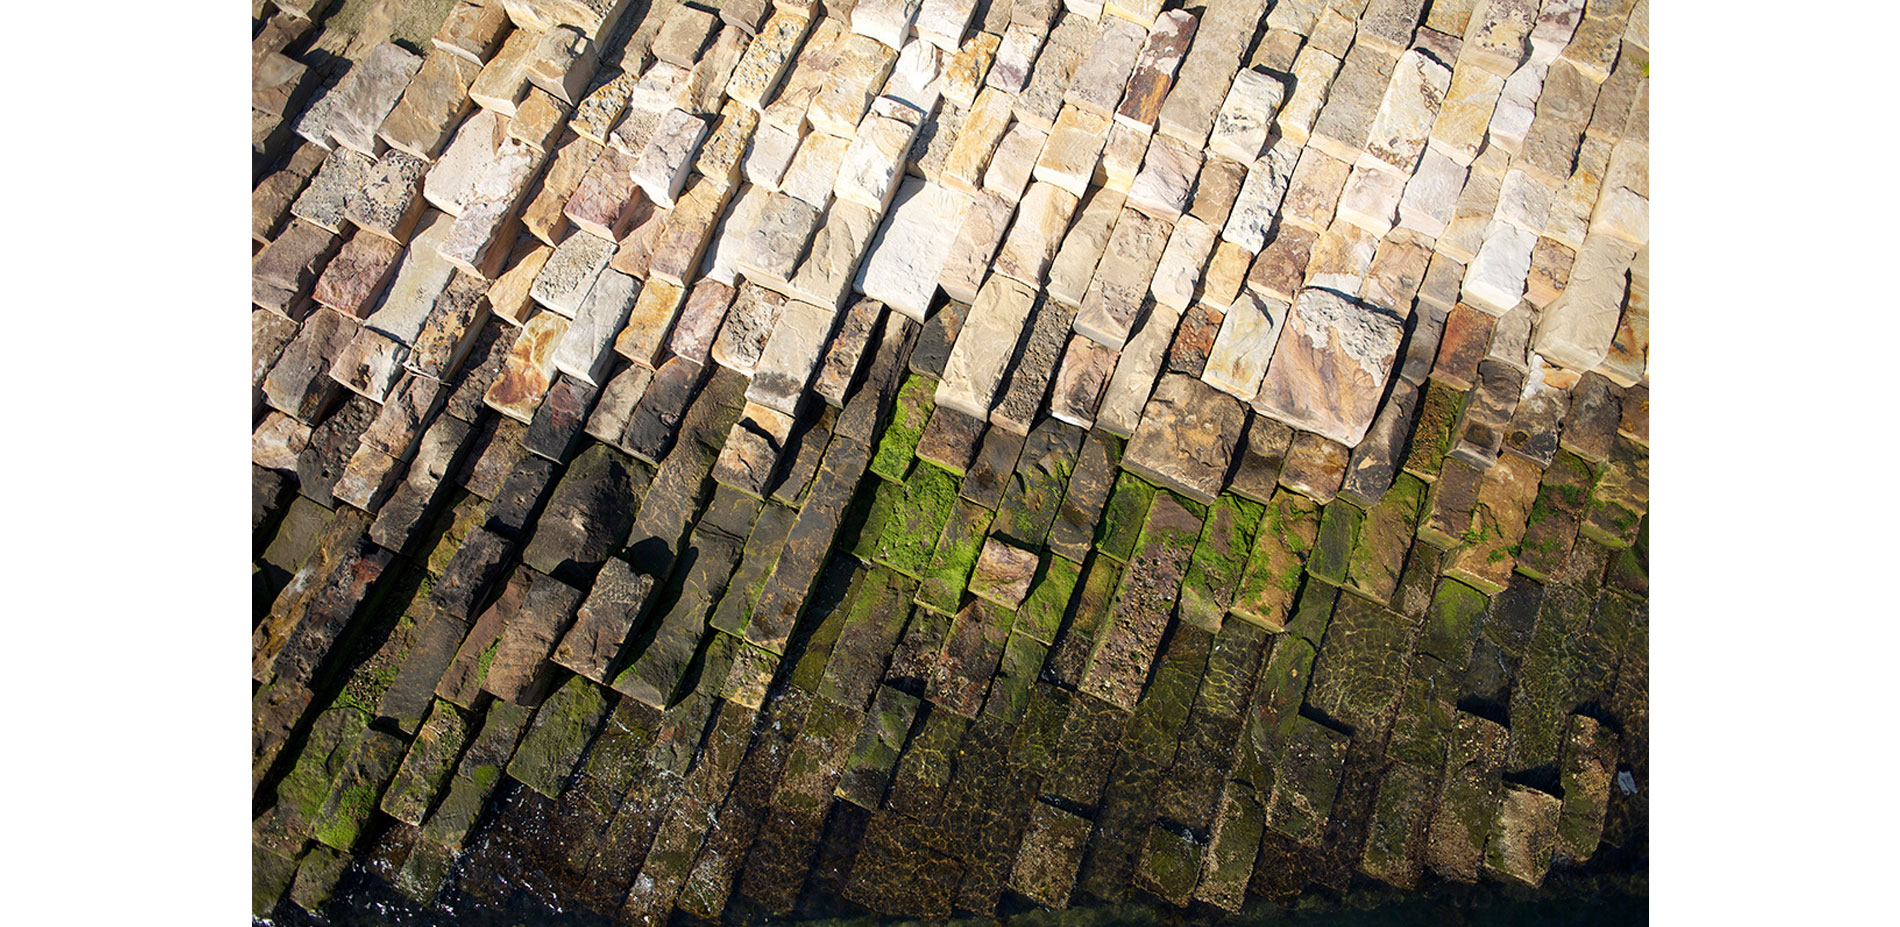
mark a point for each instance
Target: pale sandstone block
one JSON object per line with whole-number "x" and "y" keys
{"x": 1465, "y": 114}
{"x": 1240, "y": 128}
{"x": 1068, "y": 158}
{"x": 1016, "y": 157}
{"x": 1167, "y": 178}
{"x": 355, "y": 276}
{"x": 1313, "y": 72}
{"x": 648, "y": 323}
{"x": 1576, "y": 329}
{"x": 545, "y": 216}
{"x": 906, "y": 258}
{"x": 1352, "y": 101}
{"x": 1120, "y": 286}
{"x": 1341, "y": 258}
{"x": 790, "y": 356}
{"x": 488, "y": 207}
{"x": 448, "y": 183}
{"x": 1082, "y": 246}
{"x": 824, "y": 278}
{"x": 570, "y": 272}
{"x": 1042, "y": 216}
{"x": 1040, "y": 102}
{"x": 1226, "y": 274}
{"x": 431, "y": 106}
{"x": 1476, "y": 202}
{"x": 1080, "y": 381}
{"x": 874, "y": 161}
{"x": 1261, "y": 195}
{"x": 1201, "y": 86}
{"x": 1407, "y": 112}
{"x": 1523, "y": 201}
{"x": 1498, "y": 34}
{"x": 1097, "y": 83}
{"x": 749, "y": 322}
{"x": 1178, "y": 274}
{"x": 769, "y": 250}
{"x": 278, "y": 441}
{"x": 1398, "y": 270}
{"x": 683, "y": 34}
{"x": 965, "y": 69}
{"x": 508, "y": 295}
{"x": 325, "y": 202}
{"x": 1431, "y": 196}
{"x": 700, "y": 319}
{"x": 597, "y": 112}
{"x": 370, "y": 364}
{"x": 606, "y": 200}
{"x": 1015, "y": 56}
{"x": 887, "y": 21}
{"x": 984, "y": 223}
{"x": 583, "y": 352}
{"x": 769, "y": 156}
{"x": 390, "y": 201}
{"x": 1238, "y": 361}
{"x": 1494, "y": 281}
{"x": 503, "y": 81}
{"x": 1121, "y": 157}
{"x": 1333, "y": 30}
{"x": 1217, "y": 189}
{"x": 1280, "y": 270}
{"x": 420, "y": 278}
{"x": 472, "y": 32}
{"x": 539, "y": 120}
{"x": 983, "y": 348}
{"x": 862, "y": 66}
{"x": 1370, "y": 199}
{"x": 1135, "y": 371}
{"x": 814, "y": 170}
{"x": 366, "y": 95}
{"x": 662, "y": 167}
{"x": 916, "y": 78}
{"x": 982, "y": 130}
{"x": 1312, "y": 193}
{"x": 943, "y": 22}
{"x": 687, "y": 230}
{"x": 767, "y": 58}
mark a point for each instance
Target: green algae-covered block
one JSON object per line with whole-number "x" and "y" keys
{"x": 762, "y": 548}
{"x": 927, "y": 763}
{"x": 1045, "y": 867}
{"x": 1092, "y": 603}
{"x": 1338, "y": 534}
{"x": 1220, "y": 555}
{"x": 1451, "y": 623}
{"x": 353, "y": 798}
{"x": 955, "y": 556}
{"x": 1361, "y": 668}
{"x": 868, "y": 769}
{"x": 426, "y": 769}
{"x": 1040, "y": 616}
{"x": 1015, "y": 677}
{"x": 1468, "y": 798}
{"x": 1427, "y": 714}
{"x": 1232, "y": 665}
{"x": 1305, "y": 782}
{"x": 467, "y": 513}
{"x": 478, "y": 774}
{"x": 1523, "y": 836}
{"x": 1620, "y": 498}
{"x": 1034, "y": 494}
{"x": 1288, "y": 527}
{"x": 874, "y": 614}
{"x": 1546, "y": 681}
{"x": 1169, "y": 866}
{"x": 1122, "y": 518}
{"x": 907, "y": 536}
{"x": 1126, "y": 642}
{"x": 1431, "y": 438}
{"x": 969, "y": 657}
{"x": 909, "y": 414}
{"x": 1393, "y": 843}
{"x": 1156, "y": 727}
{"x": 1276, "y": 700}
{"x": 317, "y": 876}
{"x": 333, "y": 737}
{"x": 558, "y": 734}
{"x": 1384, "y": 538}
{"x": 886, "y": 499}
{"x": 1043, "y": 718}
{"x": 808, "y": 670}
{"x": 1312, "y": 612}
{"x": 1231, "y": 847}
{"x": 1588, "y": 766}
{"x": 1551, "y": 529}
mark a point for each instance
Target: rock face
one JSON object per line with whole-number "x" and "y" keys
{"x": 1330, "y": 365}
{"x": 1259, "y": 508}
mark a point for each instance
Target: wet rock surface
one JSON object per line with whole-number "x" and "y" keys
{"x": 1244, "y": 503}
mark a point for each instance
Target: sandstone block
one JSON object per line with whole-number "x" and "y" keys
{"x": 1431, "y": 195}
{"x": 1178, "y": 273}
{"x": 528, "y": 368}
{"x": 570, "y": 272}
{"x": 1080, "y": 381}
{"x": 983, "y": 349}
{"x": 824, "y": 278}
{"x": 1187, "y": 437}
{"x": 874, "y": 161}
{"x": 1370, "y": 199}
{"x": 1118, "y": 289}
{"x": 1248, "y": 334}
{"x": 1407, "y": 111}
{"x": 1494, "y": 281}
{"x": 790, "y": 355}
{"x": 905, "y": 260}
{"x": 355, "y": 277}
{"x": 1042, "y": 217}
{"x": 1260, "y": 197}
{"x": 1465, "y": 114}
{"x": 1576, "y": 330}
{"x": 1121, "y": 157}
{"x": 662, "y": 167}
{"x": 1166, "y": 179}
{"x": 1097, "y": 82}
{"x": 977, "y": 239}
{"x": 1329, "y": 367}
{"x": 1313, "y": 72}
{"x": 1135, "y": 371}
{"x": 1498, "y": 34}
{"x": 1240, "y": 128}
{"x": 1155, "y": 65}
{"x": 1082, "y": 247}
